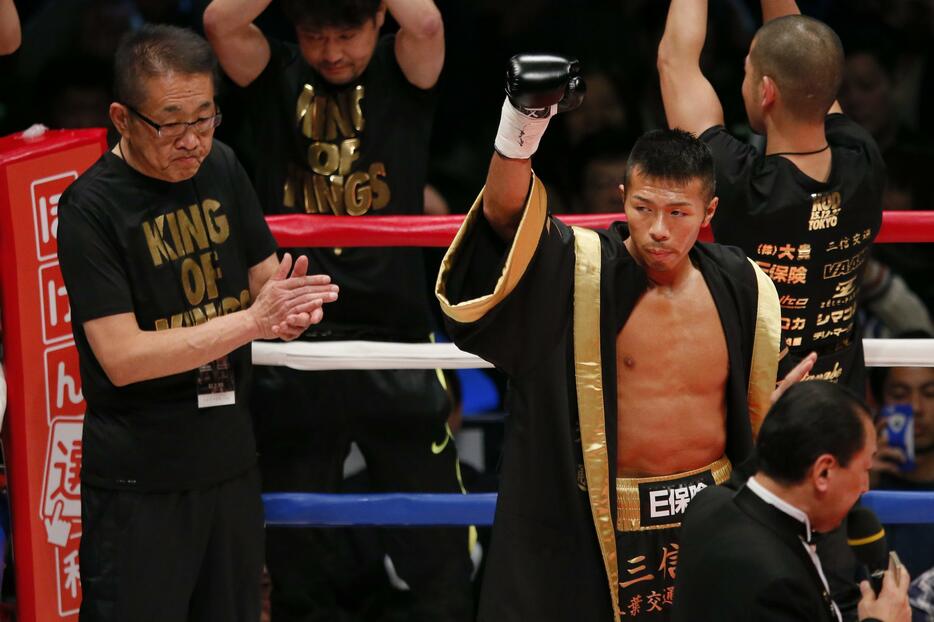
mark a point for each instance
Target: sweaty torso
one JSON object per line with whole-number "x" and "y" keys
{"x": 672, "y": 365}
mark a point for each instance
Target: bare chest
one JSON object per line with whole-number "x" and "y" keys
{"x": 678, "y": 338}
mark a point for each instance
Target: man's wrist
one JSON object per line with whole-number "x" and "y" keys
{"x": 254, "y": 324}
{"x": 519, "y": 133}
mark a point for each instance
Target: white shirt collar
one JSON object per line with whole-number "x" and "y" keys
{"x": 774, "y": 500}
{"x": 780, "y": 504}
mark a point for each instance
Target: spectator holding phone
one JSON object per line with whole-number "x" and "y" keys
{"x": 905, "y": 458}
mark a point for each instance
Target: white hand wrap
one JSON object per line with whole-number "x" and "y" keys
{"x": 518, "y": 133}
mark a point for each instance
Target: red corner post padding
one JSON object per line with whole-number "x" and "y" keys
{"x": 42, "y": 435}
{"x": 319, "y": 230}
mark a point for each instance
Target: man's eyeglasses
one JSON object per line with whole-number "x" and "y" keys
{"x": 202, "y": 125}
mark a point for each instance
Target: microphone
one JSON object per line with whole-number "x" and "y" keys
{"x": 866, "y": 537}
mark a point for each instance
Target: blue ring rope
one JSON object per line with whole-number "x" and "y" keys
{"x": 900, "y": 507}
{"x": 330, "y": 510}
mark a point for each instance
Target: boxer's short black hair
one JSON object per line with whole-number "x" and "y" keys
{"x": 155, "y": 50}
{"x": 313, "y": 14}
{"x": 672, "y": 155}
{"x": 809, "y": 420}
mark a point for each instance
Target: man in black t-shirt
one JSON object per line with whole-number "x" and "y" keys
{"x": 171, "y": 273}
{"x": 340, "y": 125}
{"x": 808, "y": 209}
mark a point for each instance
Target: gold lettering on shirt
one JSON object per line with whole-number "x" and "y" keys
{"x": 357, "y": 196}
{"x": 793, "y": 323}
{"x": 337, "y": 118}
{"x": 324, "y": 158}
{"x": 303, "y": 110}
{"x": 192, "y": 281}
{"x": 328, "y": 182}
{"x": 846, "y": 266}
{"x": 825, "y": 207}
{"x": 229, "y": 305}
{"x": 191, "y": 228}
{"x": 350, "y": 152}
{"x": 176, "y": 321}
{"x": 188, "y": 229}
{"x": 329, "y": 194}
{"x": 195, "y": 233}
{"x": 381, "y": 194}
{"x": 218, "y": 228}
{"x": 203, "y": 313}
{"x": 835, "y": 317}
{"x": 210, "y": 273}
{"x": 844, "y": 294}
{"x": 832, "y": 375}
{"x": 790, "y": 302}
{"x": 158, "y": 249}
{"x": 356, "y": 111}
{"x": 176, "y": 236}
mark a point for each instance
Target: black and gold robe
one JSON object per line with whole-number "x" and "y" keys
{"x": 532, "y": 308}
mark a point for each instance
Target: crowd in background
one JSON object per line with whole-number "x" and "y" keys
{"x": 61, "y": 77}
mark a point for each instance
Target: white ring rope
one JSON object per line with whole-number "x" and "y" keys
{"x": 899, "y": 352}
{"x": 320, "y": 355}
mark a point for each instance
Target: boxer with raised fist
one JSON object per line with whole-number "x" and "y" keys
{"x": 641, "y": 363}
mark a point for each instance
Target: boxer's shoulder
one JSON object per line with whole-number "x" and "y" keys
{"x": 730, "y": 259}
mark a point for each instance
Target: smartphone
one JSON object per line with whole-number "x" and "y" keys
{"x": 900, "y": 431}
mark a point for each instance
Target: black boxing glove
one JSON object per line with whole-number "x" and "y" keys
{"x": 537, "y": 87}
{"x": 540, "y": 81}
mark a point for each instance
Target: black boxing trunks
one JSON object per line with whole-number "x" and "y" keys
{"x": 648, "y": 529}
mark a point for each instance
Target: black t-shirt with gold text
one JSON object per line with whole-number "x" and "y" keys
{"x": 812, "y": 238}
{"x": 174, "y": 254}
{"x": 354, "y": 150}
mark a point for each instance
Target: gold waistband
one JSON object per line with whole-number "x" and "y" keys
{"x": 629, "y": 507}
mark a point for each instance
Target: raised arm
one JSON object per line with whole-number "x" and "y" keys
{"x": 10, "y": 33}
{"x": 779, "y": 8}
{"x": 284, "y": 307}
{"x": 505, "y": 193}
{"x": 690, "y": 101}
{"x": 537, "y": 87}
{"x": 420, "y": 40}
{"x": 241, "y": 47}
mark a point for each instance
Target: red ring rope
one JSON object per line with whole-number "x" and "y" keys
{"x": 320, "y": 230}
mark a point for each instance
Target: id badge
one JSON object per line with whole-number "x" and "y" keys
{"x": 216, "y": 384}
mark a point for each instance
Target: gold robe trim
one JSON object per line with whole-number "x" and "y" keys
{"x": 763, "y": 368}
{"x": 520, "y": 255}
{"x": 588, "y": 371}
